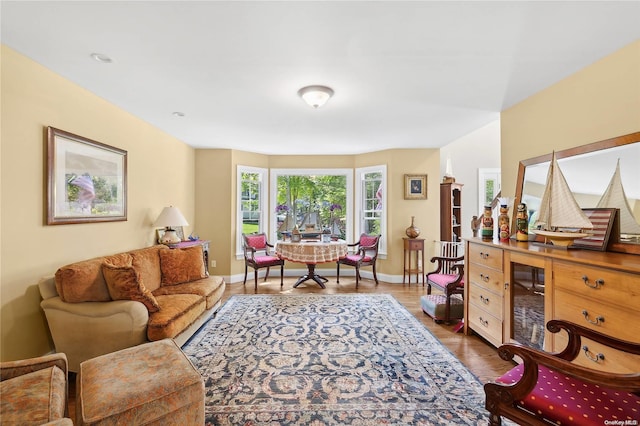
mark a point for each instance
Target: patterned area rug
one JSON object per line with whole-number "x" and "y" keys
{"x": 329, "y": 360}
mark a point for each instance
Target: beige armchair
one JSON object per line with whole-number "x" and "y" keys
{"x": 35, "y": 391}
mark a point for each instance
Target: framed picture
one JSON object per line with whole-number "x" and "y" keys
{"x": 159, "y": 235}
{"x": 415, "y": 187}
{"x": 86, "y": 180}
{"x": 605, "y": 226}
{"x": 180, "y": 232}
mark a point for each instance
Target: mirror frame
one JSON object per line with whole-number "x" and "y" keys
{"x": 591, "y": 147}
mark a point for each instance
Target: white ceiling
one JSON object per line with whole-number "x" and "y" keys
{"x": 415, "y": 74}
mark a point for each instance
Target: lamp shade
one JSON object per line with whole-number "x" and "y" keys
{"x": 170, "y": 217}
{"x": 315, "y": 96}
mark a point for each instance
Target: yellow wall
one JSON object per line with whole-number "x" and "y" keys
{"x": 599, "y": 102}
{"x": 216, "y": 180}
{"x": 33, "y": 98}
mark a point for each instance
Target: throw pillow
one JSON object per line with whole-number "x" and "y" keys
{"x": 124, "y": 283}
{"x": 182, "y": 265}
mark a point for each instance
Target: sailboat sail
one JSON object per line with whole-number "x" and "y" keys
{"x": 614, "y": 197}
{"x": 558, "y": 208}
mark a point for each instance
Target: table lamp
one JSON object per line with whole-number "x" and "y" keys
{"x": 170, "y": 217}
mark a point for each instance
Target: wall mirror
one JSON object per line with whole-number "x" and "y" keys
{"x": 589, "y": 169}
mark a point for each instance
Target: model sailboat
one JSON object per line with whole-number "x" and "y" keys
{"x": 615, "y": 197}
{"x": 561, "y": 220}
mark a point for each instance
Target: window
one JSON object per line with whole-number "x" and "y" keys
{"x": 251, "y": 202}
{"x": 322, "y": 197}
{"x": 371, "y": 203}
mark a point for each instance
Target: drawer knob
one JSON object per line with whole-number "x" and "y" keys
{"x": 484, "y": 278}
{"x": 483, "y": 322}
{"x": 485, "y": 300}
{"x": 599, "y": 319}
{"x": 484, "y": 255}
{"x": 595, "y": 357}
{"x": 597, "y": 284}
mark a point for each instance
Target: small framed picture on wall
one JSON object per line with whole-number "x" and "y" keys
{"x": 415, "y": 187}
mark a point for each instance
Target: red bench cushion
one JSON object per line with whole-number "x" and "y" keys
{"x": 568, "y": 401}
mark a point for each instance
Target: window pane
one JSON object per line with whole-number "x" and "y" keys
{"x": 250, "y": 202}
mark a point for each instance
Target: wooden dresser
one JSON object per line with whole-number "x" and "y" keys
{"x": 600, "y": 290}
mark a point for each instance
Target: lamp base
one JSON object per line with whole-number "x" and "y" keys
{"x": 170, "y": 237}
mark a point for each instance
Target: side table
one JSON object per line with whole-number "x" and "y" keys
{"x": 413, "y": 245}
{"x": 205, "y": 249}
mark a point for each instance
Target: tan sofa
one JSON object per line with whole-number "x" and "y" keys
{"x": 102, "y": 305}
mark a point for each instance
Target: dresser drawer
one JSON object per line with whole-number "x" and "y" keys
{"x": 485, "y": 277}
{"x": 490, "y": 257}
{"x": 618, "y": 288}
{"x": 615, "y": 321}
{"x": 485, "y": 324}
{"x": 486, "y": 300}
{"x": 613, "y": 361}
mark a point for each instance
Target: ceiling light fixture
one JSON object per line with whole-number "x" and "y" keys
{"x": 102, "y": 58}
{"x": 315, "y": 96}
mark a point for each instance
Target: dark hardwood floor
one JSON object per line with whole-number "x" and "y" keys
{"x": 476, "y": 354}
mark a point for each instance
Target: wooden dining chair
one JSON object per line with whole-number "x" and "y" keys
{"x": 258, "y": 254}
{"x": 366, "y": 254}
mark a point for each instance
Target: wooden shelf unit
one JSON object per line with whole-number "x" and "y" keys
{"x": 450, "y": 211}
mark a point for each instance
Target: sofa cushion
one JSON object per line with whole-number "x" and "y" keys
{"x": 34, "y": 398}
{"x": 82, "y": 282}
{"x": 177, "y": 312}
{"x": 182, "y": 265}
{"x": 210, "y": 288}
{"x": 147, "y": 262}
{"x": 124, "y": 283}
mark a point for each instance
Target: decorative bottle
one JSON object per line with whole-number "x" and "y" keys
{"x": 503, "y": 223}
{"x": 522, "y": 223}
{"x": 412, "y": 231}
{"x": 486, "y": 231}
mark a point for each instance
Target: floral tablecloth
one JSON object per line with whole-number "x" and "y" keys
{"x": 311, "y": 252}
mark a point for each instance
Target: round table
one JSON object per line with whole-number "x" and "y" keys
{"x": 311, "y": 253}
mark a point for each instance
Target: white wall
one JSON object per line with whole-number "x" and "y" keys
{"x": 478, "y": 149}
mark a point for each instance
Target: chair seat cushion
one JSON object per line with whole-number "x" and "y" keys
{"x": 565, "y": 400}
{"x": 442, "y": 280}
{"x": 34, "y": 398}
{"x": 355, "y": 258}
{"x": 267, "y": 260}
{"x": 434, "y": 305}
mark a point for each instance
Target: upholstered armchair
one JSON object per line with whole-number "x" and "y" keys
{"x": 35, "y": 391}
{"x": 258, "y": 255}
{"x": 366, "y": 254}
{"x": 448, "y": 276}
{"x": 550, "y": 388}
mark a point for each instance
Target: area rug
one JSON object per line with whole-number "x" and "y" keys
{"x": 329, "y": 360}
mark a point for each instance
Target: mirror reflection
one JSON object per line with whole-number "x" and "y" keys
{"x": 597, "y": 179}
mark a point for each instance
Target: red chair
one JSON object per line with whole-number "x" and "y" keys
{"x": 366, "y": 255}
{"x": 448, "y": 277}
{"x": 552, "y": 388}
{"x": 257, "y": 254}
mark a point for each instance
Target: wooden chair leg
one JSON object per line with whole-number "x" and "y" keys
{"x": 255, "y": 277}
{"x": 267, "y": 274}
{"x": 245, "y": 274}
{"x": 375, "y": 277}
{"x": 357, "y": 276}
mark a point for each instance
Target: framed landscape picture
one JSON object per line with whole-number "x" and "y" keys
{"x": 415, "y": 187}
{"x": 86, "y": 180}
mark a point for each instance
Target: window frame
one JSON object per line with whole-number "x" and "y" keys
{"x": 264, "y": 215}
{"x": 360, "y": 174}
{"x": 273, "y": 188}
